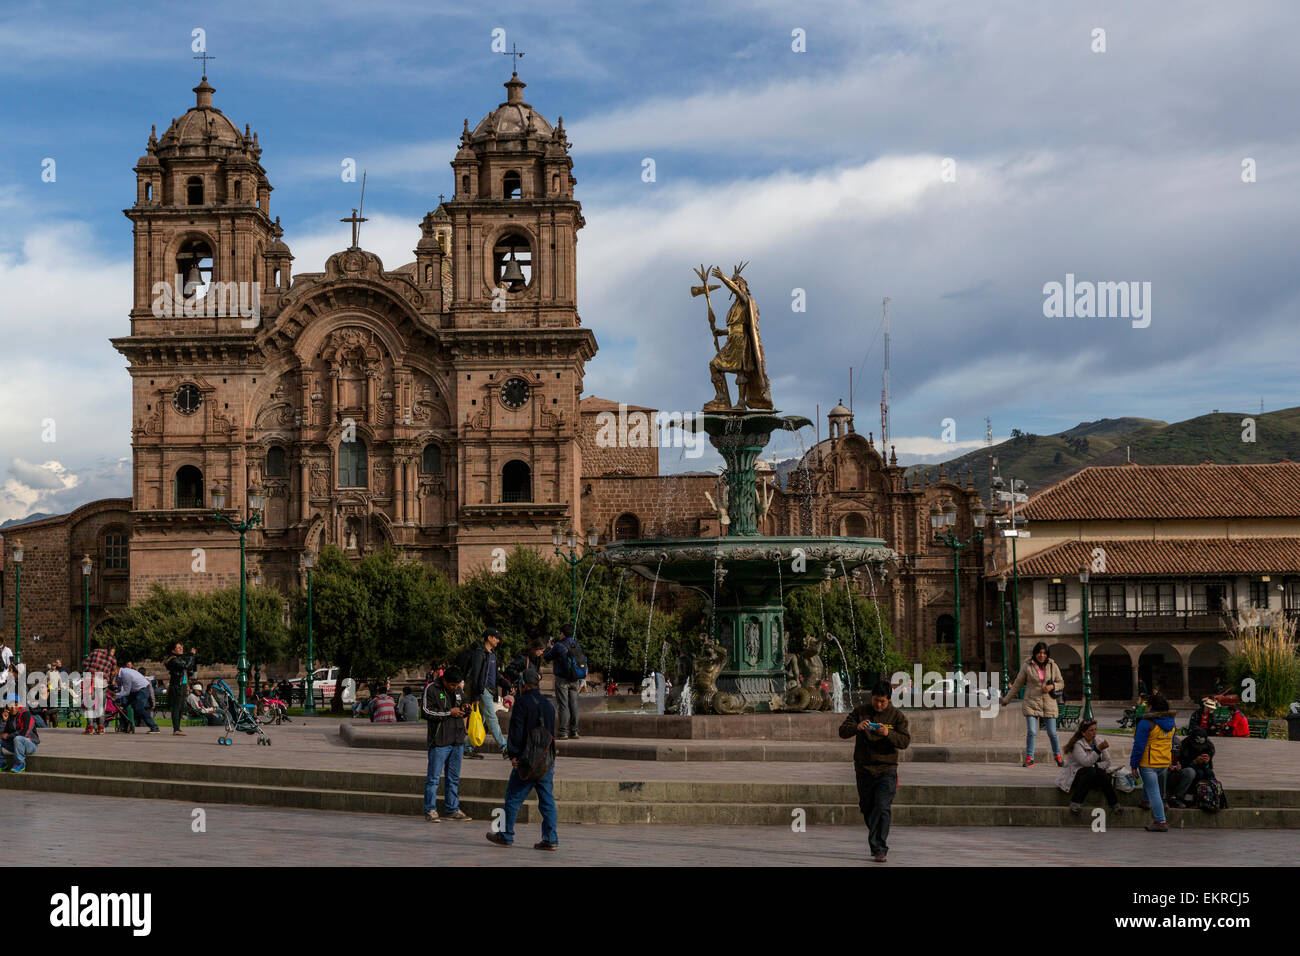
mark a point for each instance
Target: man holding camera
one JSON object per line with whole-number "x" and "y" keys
{"x": 881, "y": 732}
{"x": 444, "y": 709}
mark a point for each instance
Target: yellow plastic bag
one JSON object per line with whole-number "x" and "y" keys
{"x": 475, "y": 729}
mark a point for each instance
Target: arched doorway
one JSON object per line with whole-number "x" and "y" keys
{"x": 945, "y": 629}
{"x": 1160, "y": 667}
{"x": 516, "y": 482}
{"x": 1112, "y": 672}
{"x": 1204, "y": 666}
{"x": 855, "y": 526}
{"x": 627, "y": 528}
{"x": 1071, "y": 665}
{"x": 188, "y": 487}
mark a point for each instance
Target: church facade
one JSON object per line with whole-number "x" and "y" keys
{"x": 432, "y": 406}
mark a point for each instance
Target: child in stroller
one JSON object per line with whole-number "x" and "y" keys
{"x": 118, "y": 714}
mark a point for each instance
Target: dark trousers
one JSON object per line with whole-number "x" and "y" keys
{"x": 875, "y": 800}
{"x": 1093, "y": 778}
{"x": 140, "y": 704}
{"x": 566, "y": 707}
{"x": 178, "y": 707}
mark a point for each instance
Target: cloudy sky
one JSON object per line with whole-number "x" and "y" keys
{"x": 955, "y": 157}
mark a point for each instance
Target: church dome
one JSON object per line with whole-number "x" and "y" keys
{"x": 839, "y": 411}
{"x": 512, "y": 119}
{"x": 204, "y": 125}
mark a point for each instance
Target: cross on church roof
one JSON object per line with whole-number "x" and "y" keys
{"x": 356, "y": 221}
{"x": 204, "y": 57}
{"x": 514, "y": 54}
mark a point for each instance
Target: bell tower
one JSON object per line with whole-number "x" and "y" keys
{"x": 519, "y": 348}
{"x": 202, "y": 212}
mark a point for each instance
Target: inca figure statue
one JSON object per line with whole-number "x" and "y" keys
{"x": 742, "y": 352}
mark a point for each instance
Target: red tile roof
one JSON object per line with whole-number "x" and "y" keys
{"x": 1171, "y": 491}
{"x": 592, "y": 404}
{"x": 1169, "y": 556}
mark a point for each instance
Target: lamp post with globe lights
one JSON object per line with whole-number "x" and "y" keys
{"x": 947, "y": 519}
{"x": 256, "y": 502}
{"x": 569, "y": 538}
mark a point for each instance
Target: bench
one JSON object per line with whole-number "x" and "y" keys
{"x": 1067, "y": 715}
{"x": 1258, "y": 728}
{"x": 1222, "y": 715}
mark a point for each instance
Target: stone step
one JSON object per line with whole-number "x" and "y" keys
{"x": 605, "y": 812}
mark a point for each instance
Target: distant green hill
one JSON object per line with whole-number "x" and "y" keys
{"x": 1042, "y": 460}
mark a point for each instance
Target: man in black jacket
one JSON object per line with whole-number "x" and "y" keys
{"x": 881, "y": 732}
{"x": 444, "y": 708}
{"x": 532, "y": 712}
{"x": 180, "y": 668}
{"x": 18, "y": 736}
{"x": 1195, "y": 762}
{"x": 482, "y": 675}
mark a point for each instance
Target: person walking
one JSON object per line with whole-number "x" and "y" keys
{"x": 136, "y": 690}
{"x": 479, "y": 665}
{"x": 880, "y": 730}
{"x": 568, "y": 661}
{"x": 444, "y": 708}
{"x": 1152, "y": 755}
{"x": 99, "y": 670}
{"x": 1042, "y": 680}
{"x": 18, "y": 736}
{"x": 1087, "y": 768}
{"x": 180, "y": 668}
{"x": 531, "y": 749}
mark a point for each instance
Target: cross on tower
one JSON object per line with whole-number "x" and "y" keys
{"x": 204, "y": 57}
{"x": 356, "y": 221}
{"x": 514, "y": 54}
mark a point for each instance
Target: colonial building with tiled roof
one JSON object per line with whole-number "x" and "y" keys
{"x": 1173, "y": 553}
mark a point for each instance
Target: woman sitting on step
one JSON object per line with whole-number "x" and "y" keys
{"x": 1087, "y": 768}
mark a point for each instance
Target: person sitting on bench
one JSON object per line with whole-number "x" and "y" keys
{"x": 195, "y": 705}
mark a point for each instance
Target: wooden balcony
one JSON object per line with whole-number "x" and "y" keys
{"x": 1111, "y": 622}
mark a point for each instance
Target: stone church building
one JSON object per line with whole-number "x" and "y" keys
{"x": 433, "y": 406}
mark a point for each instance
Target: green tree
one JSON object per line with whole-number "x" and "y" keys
{"x": 872, "y": 651}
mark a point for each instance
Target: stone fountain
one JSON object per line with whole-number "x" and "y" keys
{"x": 743, "y": 573}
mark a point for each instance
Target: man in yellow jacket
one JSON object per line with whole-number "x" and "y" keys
{"x": 1152, "y": 753}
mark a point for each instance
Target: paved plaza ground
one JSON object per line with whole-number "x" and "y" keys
{"x": 50, "y": 828}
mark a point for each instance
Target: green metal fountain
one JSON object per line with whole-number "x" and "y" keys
{"x": 743, "y": 573}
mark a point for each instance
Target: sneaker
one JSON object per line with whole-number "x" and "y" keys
{"x": 89, "y": 729}
{"x": 474, "y": 756}
{"x": 1155, "y": 827}
{"x": 18, "y": 768}
{"x": 1076, "y": 808}
{"x": 561, "y": 736}
{"x": 155, "y": 731}
{"x": 505, "y": 755}
{"x": 575, "y": 736}
{"x": 878, "y": 858}
{"x": 498, "y": 839}
{"x": 1029, "y": 762}
{"x": 459, "y": 816}
{"x": 179, "y": 733}
{"x": 1116, "y": 809}
{"x": 1059, "y": 761}
{"x": 99, "y": 730}
{"x": 543, "y": 845}
{"x": 431, "y": 816}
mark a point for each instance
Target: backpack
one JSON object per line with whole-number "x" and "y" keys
{"x": 576, "y": 662}
{"x": 1209, "y": 795}
{"x": 538, "y": 756}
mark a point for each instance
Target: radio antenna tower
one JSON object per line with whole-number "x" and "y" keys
{"x": 884, "y": 388}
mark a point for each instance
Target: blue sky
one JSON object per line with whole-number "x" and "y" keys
{"x": 823, "y": 168}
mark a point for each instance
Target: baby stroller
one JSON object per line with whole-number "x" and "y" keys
{"x": 272, "y": 710}
{"x": 237, "y": 718}
{"x": 119, "y": 715}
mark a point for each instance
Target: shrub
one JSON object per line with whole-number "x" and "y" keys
{"x": 1267, "y": 655}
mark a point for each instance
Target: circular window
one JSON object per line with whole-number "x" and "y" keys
{"x": 187, "y": 399}
{"x": 514, "y": 393}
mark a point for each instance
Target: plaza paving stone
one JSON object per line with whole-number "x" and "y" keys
{"x": 50, "y": 828}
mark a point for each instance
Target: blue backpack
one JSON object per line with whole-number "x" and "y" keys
{"x": 576, "y": 661}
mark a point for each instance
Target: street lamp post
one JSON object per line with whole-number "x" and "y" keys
{"x": 1017, "y": 495}
{"x": 570, "y": 539}
{"x": 18, "y": 600}
{"x": 947, "y": 518}
{"x": 85, "y": 602}
{"x": 1087, "y": 667}
{"x": 255, "y": 575}
{"x": 256, "y": 501}
{"x": 308, "y": 560}
{"x": 1002, "y": 611}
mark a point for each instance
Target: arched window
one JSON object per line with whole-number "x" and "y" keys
{"x": 431, "y": 461}
{"x": 148, "y": 191}
{"x": 194, "y": 191}
{"x": 516, "y": 482}
{"x": 194, "y": 265}
{"x": 428, "y": 274}
{"x": 187, "y": 487}
{"x": 945, "y": 629}
{"x": 627, "y": 528}
{"x": 555, "y": 184}
{"x": 276, "y": 463}
{"x": 512, "y": 186}
{"x": 512, "y": 262}
{"x": 464, "y": 186}
{"x": 352, "y": 464}
{"x": 239, "y": 188}
{"x": 855, "y": 526}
